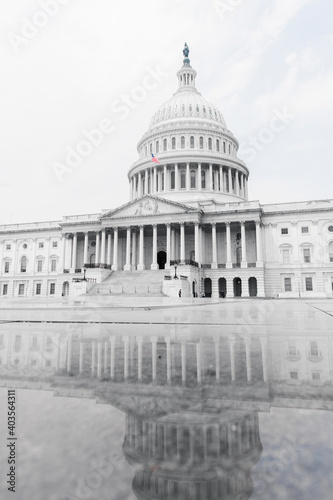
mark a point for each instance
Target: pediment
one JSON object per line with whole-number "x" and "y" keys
{"x": 147, "y": 206}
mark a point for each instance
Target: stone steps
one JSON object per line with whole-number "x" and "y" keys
{"x": 143, "y": 283}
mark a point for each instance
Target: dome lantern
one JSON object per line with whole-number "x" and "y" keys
{"x": 186, "y": 75}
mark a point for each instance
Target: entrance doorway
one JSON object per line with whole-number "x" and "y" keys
{"x": 65, "y": 289}
{"x": 237, "y": 287}
{"x": 208, "y": 287}
{"x": 194, "y": 288}
{"x": 161, "y": 259}
{"x": 222, "y": 288}
{"x": 253, "y": 287}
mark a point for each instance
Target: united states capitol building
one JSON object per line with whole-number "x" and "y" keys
{"x": 188, "y": 225}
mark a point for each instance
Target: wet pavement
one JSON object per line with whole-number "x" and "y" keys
{"x": 195, "y": 400}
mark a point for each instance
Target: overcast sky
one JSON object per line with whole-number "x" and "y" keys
{"x": 76, "y": 64}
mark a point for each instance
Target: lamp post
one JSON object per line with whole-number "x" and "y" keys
{"x": 84, "y": 273}
{"x": 175, "y": 276}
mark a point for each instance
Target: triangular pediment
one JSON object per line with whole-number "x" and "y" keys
{"x": 148, "y": 205}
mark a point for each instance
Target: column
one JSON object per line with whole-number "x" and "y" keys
{"x": 199, "y": 176}
{"x": 217, "y": 358}
{"x": 146, "y": 181}
{"x": 140, "y": 359}
{"x": 230, "y": 180}
{"x": 165, "y": 178}
{"x": 127, "y": 266}
{"x": 134, "y": 249}
{"x": 140, "y": 185}
{"x": 85, "y": 248}
{"x": 236, "y": 182}
{"x": 221, "y": 179}
{"x": 259, "y": 244}
{"x": 115, "y": 249}
{"x": 243, "y": 241}
{"x": 263, "y": 342}
{"x": 93, "y": 357}
{"x": 63, "y": 244}
{"x": 214, "y": 247}
{"x": 105, "y": 356}
{"x": 103, "y": 246}
{"x": 198, "y": 348}
{"x": 151, "y": 179}
{"x": 196, "y": 242}
{"x": 99, "y": 359}
{"x": 247, "y": 342}
{"x": 210, "y": 177}
{"x": 81, "y": 357}
{"x": 183, "y": 355}
{"x": 228, "y": 236}
{"x": 188, "y": 180}
{"x": 154, "y": 265}
{"x": 154, "y": 356}
{"x": 168, "y": 354}
{"x": 154, "y": 179}
{"x": 168, "y": 246}
{"x": 68, "y": 254}
{"x": 182, "y": 243}
{"x": 98, "y": 249}
{"x": 173, "y": 244}
{"x": 126, "y": 344}
{"x": 176, "y": 177}
{"x": 141, "y": 266}
{"x": 69, "y": 353}
{"x": 108, "y": 260}
{"x": 246, "y": 192}
{"x": 231, "y": 341}
{"x": 113, "y": 356}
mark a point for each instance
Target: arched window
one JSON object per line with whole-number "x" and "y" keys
{"x": 151, "y": 147}
{"x": 23, "y": 265}
{"x": 165, "y": 145}
{"x": 193, "y": 179}
{"x": 217, "y": 145}
{"x": 182, "y": 179}
{"x": 229, "y": 149}
{"x": 157, "y": 147}
{"x": 172, "y": 179}
{"x": 191, "y": 142}
{"x": 146, "y": 151}
{"x": 197, "y": 109}
{"x": 182, "y": 142}
{"x": 162, "y": 181}
{"x": 201, "y": 142}
{"x": 209, "y": 143}
{"x": 173, "y": 143}
{"x": 148, "y": 183}
{"x": 223, "y": 146}
{"x": 143, "y": 184}
{"x": 203, "y": 179}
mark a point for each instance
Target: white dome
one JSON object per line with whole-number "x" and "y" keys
{"x": 187, "y": 104}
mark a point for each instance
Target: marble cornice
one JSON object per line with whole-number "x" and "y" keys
{"x": 301, "y": 211}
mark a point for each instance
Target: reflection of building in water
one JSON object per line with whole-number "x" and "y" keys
{"x": 191, "y": 399}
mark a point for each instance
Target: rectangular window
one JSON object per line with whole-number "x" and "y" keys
{"x": 39, "y": 266}
{"x": 314, "y": 348}
{"x": 286, "y": 256}
{"x": 294, "y": 375}
{"x": 21, "y": 289}
{"x": 7, "y": 267}
{"x": 52, "y": 288}
{"x": 53, "y": 265}
{"x": 306, "y": 255}
{"x": 5, "y": 289}
{"x": 54, "y": 244}
{"x": 315, "y": 375}
{"x": 305, "y": 229}
{"x": 284, "y": 230}
{"x": 38, "y": 288}
{"x": 8, "y": 247}
{"x": 34, "y": 343}
{"x": 40, "y": 245}
{"x": 308, "y": 284}
{"x": 287, "y": 285}
{"x": 292, "y": 348}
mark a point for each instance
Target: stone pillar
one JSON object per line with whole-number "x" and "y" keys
{"x": 140, "y": 359}
{"x": 108, "y": 260}
{"x": 154, "y": 179}
{"x": 231, "y": 341}
{"x": 99, "y": 359}
{"x": 173, "y": 241}
{"x": 246, "y": 191}
{"x": 236, "y": 182}
{"x": 165, "y": 178}
{"x": 127, "y": 266}
{"x": 139, "y": 185}
{"x": 176, "y": 177}
{"x": 113, "y": 356}
{"x": 69, "y": 353}
{"x": 154, "y": 356}
{"x": 103, "y": 247}
{"x": 115, "y": 249}
{"x": 188, "y": 179}
{"x": 243, "y": 240}
{"x": 154, "y": 265}
{"x": 199, "y": 176}
{"x": 228, "y": 237}
{"x": 259, "y": 244}
{"x": 105, "y": 356}
{"x": 93, "y": 357}
{"x": 69, "y": 246}
{"x": 63, "y": 244}
{"x": 146, "y": 182}
{"x": 134, "y": 249}
{"x": 214, "y": 247}
{"x": 210, "y": 177}
{"x": 98, "y": 248}
{"x": 85, "y": 249}
{"x": 217, "y": 358}
{"x": 263, "y": 342}
{"x": 141, "y": 266}
{"x": 196, "y": 242}
{"x": 126, "y": 345}
{"x": 198, "y": 349}
{"x": 168, "y": 354}
{"x": 182, "y": 242}
{"x": 230, "y": 180}
{"x": 247, "y": 342}
{"x": 74, "y": 251}
{"x": 168, "y": 246}
{"x": 183, "y": 355}
{"x": 81, "y": 356}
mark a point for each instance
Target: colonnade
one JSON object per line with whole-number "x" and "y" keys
{"x": 188, "y": 176}
{"x": 177, "y": 247}
{"x": 103, "y": 358}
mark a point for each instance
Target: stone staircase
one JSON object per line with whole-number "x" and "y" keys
{"x": 136, "y": 283}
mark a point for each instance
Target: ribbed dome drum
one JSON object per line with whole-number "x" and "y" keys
{"x": 197, "y": 154}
